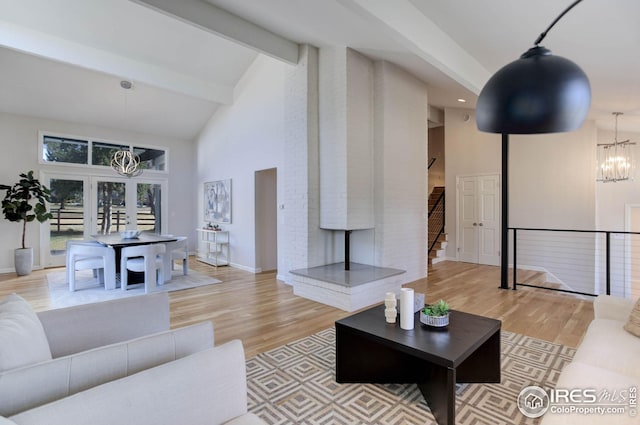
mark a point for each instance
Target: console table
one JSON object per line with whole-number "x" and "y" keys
{"x": 213, "y": 247}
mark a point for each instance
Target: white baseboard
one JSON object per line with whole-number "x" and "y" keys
{"x": 246, "y": 268}
{"x": 285, "y": 278}
{"x": 13, "y": 270}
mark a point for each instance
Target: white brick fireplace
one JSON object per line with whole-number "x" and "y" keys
{"x": 370, "y": 150}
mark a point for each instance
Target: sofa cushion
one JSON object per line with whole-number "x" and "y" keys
{"x": 83, "y": 327}
{"x": 606, "y": 344}
{"x": 205, "y": 388}
{"x": 22, "y": 337}
{"x": 633, "y": 323}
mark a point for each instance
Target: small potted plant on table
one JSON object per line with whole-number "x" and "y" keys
{"x": 435, "y": 315}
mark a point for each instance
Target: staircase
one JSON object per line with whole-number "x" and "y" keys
{"x": 437, "y": 253}
{"x": 436, "y": 238}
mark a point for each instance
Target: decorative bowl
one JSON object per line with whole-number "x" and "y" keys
{"x": 434, "y": 321}
{"x": 129, "y": 234}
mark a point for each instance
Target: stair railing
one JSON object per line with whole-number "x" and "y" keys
{"x": 436, "y": 222}
{"x": 595, "y": 261}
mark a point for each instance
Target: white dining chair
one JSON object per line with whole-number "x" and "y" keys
{"x": 176, "y": 250}
{"x": 143, "y": 258}
{"x": 88, "y": 255}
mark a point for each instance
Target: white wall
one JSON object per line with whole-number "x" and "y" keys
{"x": 436, "y": 150}
{"x": 611, "y": 205}
{"x": 19, "y": 137}
{"x": 612, "y": 197}
{"x": 238, "y": 140}
{"x": 552, "y": 179}
{"x": 400, "y": 172}
{"x": 346, "y": 139}
{"x": 467, "y": 152}
{"x": 551, "y": 185}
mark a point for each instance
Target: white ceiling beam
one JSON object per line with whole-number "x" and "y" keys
{"x": 51, "y": 47}
{"x": 407, "y": 25}
{"x": 218, "y": 21}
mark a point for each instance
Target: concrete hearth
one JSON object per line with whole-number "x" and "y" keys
{"x": 361, "y": 286}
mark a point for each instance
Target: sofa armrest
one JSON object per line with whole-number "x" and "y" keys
{"x": 613, "y": 308}
{"x": 83, "y": 327}
{"x": 34, "y": 385}
{"x": 205, "y": 388}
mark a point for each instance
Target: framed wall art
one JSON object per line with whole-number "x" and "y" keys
{"x": 217, "y": 201}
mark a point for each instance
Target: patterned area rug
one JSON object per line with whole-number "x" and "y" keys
{"x": 88, "y": 290}
{"x": 296, "y": 383}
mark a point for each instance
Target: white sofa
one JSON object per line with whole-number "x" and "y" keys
{"x": 608, "y": 358}
{"x": 205, "y": 388}
{"x": 117, "y": 362}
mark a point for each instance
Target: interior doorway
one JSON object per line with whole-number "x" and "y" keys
{"x": 266, "y": 219}
{"x": 478, "y": 221}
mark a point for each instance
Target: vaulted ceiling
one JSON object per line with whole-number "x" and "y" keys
{"x": 64, "y": 59}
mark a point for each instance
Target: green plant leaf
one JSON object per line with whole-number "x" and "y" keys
{"x": 17, "y": 202}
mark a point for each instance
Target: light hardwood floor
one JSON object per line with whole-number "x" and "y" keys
{"x": 264, "y": 313}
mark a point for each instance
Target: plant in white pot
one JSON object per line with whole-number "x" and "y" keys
{"x": 435, "y": 315}
{"x": 24, "y": 202}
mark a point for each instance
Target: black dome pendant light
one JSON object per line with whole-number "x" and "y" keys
{"x": 537, "y": 93}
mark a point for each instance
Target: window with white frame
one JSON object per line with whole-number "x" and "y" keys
{"x": 72, "y": 150}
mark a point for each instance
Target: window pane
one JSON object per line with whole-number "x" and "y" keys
{"x": 151, "y": 159}
{"x": 148, "y": 207}
{"x": 68, "y": 213}
{"x": 112, "y": 211}
{"x": 57, "y": 149}
{"x": 103, "y": 152}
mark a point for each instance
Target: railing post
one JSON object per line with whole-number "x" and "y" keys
{"x": 58, "y": 220}
{"x": 504, "y": 234}
{"x": 515, "y": 256}
{"x": 608, "y": 263}
{"x": 444, "y": 204}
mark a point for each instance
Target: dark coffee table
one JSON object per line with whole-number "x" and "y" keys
{"x": 370, "y": 350}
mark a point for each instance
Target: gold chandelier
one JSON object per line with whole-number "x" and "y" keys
{"x": 126, "y": 163}
{"x": 615, "y": 160}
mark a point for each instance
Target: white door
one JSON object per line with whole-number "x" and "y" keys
{"x": 83, "y": 206}
{"x": 124, "y": 204}
{"x": 479, "y": 219}
{"x": 468, "y": 219}
{"x": 70, "y": 208}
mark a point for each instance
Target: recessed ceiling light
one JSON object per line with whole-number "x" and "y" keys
{"x": 461, "y": 100}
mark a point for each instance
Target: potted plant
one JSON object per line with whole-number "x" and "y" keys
{"x": 435, "y": 315}
{"x": 25, "y": 201}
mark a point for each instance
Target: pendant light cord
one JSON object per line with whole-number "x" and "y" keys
{"x": 544, "y": 34}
